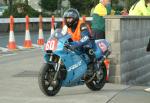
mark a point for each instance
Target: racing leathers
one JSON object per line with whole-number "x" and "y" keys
{"x": 80, "y": 35}
{"x": 82, "y": 39}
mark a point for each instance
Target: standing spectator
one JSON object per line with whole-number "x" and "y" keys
{"x": 140, "y": 8}
{"x": 103, "y": 8}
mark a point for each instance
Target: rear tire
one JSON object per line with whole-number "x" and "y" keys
{"x": 98, "y": 83}
{"x": 45, "y": 78}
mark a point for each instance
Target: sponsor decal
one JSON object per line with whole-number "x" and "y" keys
{"x": 74, "y": 66}
{"x": 102, "y": 46}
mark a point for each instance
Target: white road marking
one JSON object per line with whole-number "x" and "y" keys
{"x": 7, "y": 55}
{"x": 38, "y": 46}
{"x": 4, "y": 49}
{"x": 6, "y": 52}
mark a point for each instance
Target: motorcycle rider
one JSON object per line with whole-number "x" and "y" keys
{"x": 79, "y": 31}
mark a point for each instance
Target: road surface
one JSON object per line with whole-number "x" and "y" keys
{"x": 19, "y": 84}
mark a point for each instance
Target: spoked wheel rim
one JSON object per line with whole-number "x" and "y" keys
{"x": 46, "y": 81}
{"x": 99, "y": 79}
{"x": 99, "y": 76}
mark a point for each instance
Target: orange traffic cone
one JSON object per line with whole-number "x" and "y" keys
{"x": 52, "y": 24}
{"x": 40, "y": 40}
{"x": 27, "y": 42}
{"x": 107, "y": 64}
{"x": 12, "y": 43}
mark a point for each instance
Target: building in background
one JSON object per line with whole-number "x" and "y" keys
{"x": 35, "y": 4}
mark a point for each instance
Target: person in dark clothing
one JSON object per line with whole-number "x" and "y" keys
{"x": 103, "y": 8}
{"x": 76, "y": 28}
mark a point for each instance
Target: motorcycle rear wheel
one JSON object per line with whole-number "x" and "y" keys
{"x": 98, "y": 83}
{"x": 45, "y": 78}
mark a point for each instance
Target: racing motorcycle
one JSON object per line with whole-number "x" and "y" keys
{"x": 67, "y": 66}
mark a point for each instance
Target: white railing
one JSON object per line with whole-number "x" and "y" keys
{"x": 23, "y": 20}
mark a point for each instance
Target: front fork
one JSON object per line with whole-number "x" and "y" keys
{"x": 57, "y": 68}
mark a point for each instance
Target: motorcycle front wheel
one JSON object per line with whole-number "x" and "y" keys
{"x": 99, "y": 79}
{"x": 45, "y": 80}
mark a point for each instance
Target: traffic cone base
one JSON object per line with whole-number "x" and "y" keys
{"x": 12, "y": 45}
{"x": 28, "y": 44}
{"x": 40, "y": 42}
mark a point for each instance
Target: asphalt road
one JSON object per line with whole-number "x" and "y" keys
{"x": 19, "y": 84}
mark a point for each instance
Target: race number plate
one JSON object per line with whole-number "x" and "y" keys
{"x": 51, "y": 45}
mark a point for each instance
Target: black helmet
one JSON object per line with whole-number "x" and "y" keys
{"x": 71, "y": 13}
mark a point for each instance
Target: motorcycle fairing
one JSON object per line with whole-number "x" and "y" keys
{"x": 75, "y": 66}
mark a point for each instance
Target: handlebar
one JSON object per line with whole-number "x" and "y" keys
{"x": 69, "y": 47}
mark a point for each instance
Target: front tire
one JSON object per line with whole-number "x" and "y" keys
{"x": 99, "y": 80}
{"x": 45, "y": 79}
